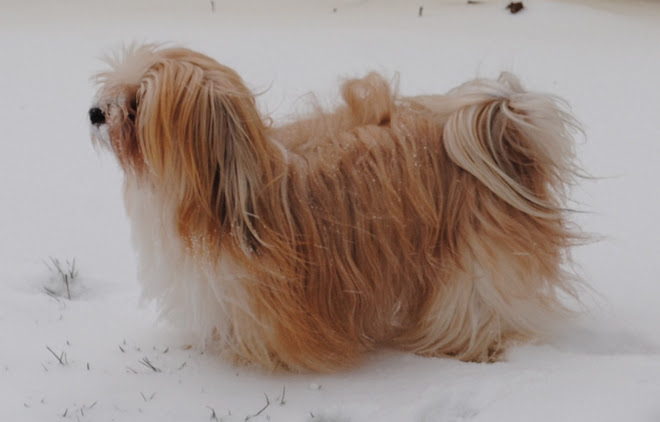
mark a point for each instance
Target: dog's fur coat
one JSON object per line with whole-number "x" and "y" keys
{"x": 432, "y": 224}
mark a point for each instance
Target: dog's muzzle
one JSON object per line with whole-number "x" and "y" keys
{"x": 96, "y": 116}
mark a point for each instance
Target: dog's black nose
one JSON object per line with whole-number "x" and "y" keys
{"x": 96, "y": 116}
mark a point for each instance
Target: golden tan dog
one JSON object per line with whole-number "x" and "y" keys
{"x": 431, "y": 224}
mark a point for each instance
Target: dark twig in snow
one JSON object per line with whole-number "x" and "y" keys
{"x": 145, "y": 398}
{"x": 146, "y": 362}
{"x": 51, "y": 293}
{"x": 282, "y": 401}
{"x": 247, "y": 418}
{"x": 214, "y": 417}
{"x": 61, "y": 358}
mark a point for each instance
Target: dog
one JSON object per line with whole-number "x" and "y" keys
{"x": 434, "y": 224}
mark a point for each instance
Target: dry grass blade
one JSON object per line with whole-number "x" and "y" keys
{"x": 66, "y": 272}
{"x": 146, "y": 399}
{"x": 146, "y": 362}
{"x": 214, "y": 417}
{"x": 282, "y": 400}
{"x": 247, "y": 418}
{"x": 61, "y": 358}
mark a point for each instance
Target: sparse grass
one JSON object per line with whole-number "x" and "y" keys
{"x": 147, "y": 398}
{"x": 146, "y": 362}
{"x": 82, "y": 409}
{"x": 66, "y": 273}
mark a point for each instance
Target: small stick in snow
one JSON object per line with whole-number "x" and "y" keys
{"x": 214, "y": 417}
{"x": 82, "y": 409}
{"x": 282, "y": 401}
{"x": 61, "y": 359}
{"x": 247, "y": 418}
{"x": 51, "y": 293}
{"x": 421, "y": 11}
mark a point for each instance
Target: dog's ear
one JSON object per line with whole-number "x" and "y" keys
{"x": 202, "y": 139}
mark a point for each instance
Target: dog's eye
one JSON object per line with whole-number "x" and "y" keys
{"x": 133, "y": 108}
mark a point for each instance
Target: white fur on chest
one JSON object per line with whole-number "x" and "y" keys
{"x": 191, "y": 292}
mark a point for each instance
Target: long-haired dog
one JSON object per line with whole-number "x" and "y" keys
{"x": 433, "y": 224}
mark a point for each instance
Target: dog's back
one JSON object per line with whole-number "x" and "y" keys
{"x": 434, "y": 224}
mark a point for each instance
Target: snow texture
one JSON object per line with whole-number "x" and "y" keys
{"x": 100, "y": 356}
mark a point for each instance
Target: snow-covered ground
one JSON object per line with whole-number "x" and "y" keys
{"x": 61, "y": 200}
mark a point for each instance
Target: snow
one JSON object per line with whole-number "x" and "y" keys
{"x": 61, "y": 199}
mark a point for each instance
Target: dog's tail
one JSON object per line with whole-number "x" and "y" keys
{"x": 510, "y": 220}
{"x": 519, "y": 144}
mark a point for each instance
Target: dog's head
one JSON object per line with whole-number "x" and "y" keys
{"x": 165, "y": 109}
{"x": 183, "y": 123}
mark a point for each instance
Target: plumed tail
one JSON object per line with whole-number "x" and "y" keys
{"x": 519, "y": 144}
{"x": 509, "y": 221}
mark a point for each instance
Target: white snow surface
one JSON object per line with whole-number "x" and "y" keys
{"x": 62, "y": 200}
